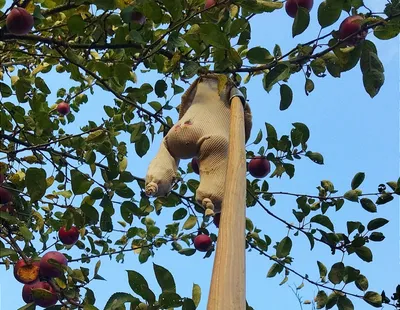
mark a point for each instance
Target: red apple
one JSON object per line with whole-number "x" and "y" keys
{"x": 26, "y": 272}
{"x": 202, "y": 243}
{"x": 63, "y": 108}
{"x": 138, "y": 18}
{"x": 69, "y": 236}
{"x": 259, "y": 167}
{"x": 19, "y": 21}
{"x": 216, "y": 219}
{"x": 5, "y": 196}
{"x": 351, "y": 25}
{"x": 27, "y": 293}
{"x": 195, "y": 165}
{"x": 209, "y": 3}
{"x": 47, "y": 269}
{"x": 292, "y": 6}
{"x": 43, "y": 294}
{"x": 8, "y": 208}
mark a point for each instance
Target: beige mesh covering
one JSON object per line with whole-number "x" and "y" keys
{"x": 203, "y": 132}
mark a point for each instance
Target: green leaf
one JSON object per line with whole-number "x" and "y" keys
{"x": 351, "y": 195}
{"x": 211, "y": 34}
{"x": 388, "y": 30}
{"x": 274, "y": 270}
{"x": 357, "y": 180}
{"x": 41, "y": 84}
{"x": 36, "y": 183}
{"x": 79, "y": 182}
{"x": 76, "y": 25}
{"x": 284, "y": 247}
{"x": 384, "y": 198}
{"x": 190, "y": 222}
{"x": 278, "y": 73}
{"x": 160, "y": 88}
{"x": 329, "y": 12}
{"x": 259, "y": 55}
{"x": 164, "y": 279}
{"x": 286, "y": 97}
{"x": 169, "y": 300}
{"x": 368, "y": 205}
{"x": 196, "y": 294}
{"x": 336, "y": 273}
{"x": 5, "y": 90}
{"x": 344, "y": 303}
{"x": 372, "y": 69}
{"x": 31, "y": 306}
{"x": 321, "y": 299}
{"x": 352, "y": 226}
{"x": 142, "y": 146}
{"x": 179, "y": 214}
{"x": 258, "y": 138}
{"x": 2, "y": 4}
{"x": 7, "y": 252}
{"x": 322, "y": 270}
{"x": 377, "y": 236}
{"x": 322, "y": 220}
{"x": 187, "y": 252}
{"x": 301, "y": 21}
{"x": 362, "y": 283}
{"x": 377, "y": 223}
{"x": 140, "y": 286}
{"x": 117, "y": 300}
{"x": 315, "y": 157}
{"x": 373, "y": 298}
{"x": 364, "y": 253}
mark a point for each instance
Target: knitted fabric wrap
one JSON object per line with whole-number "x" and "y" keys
{"x": 203, "y": 132}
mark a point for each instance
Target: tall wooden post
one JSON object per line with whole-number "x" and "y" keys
{"x": 228, "y": 284}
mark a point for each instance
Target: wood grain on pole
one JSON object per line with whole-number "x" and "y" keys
{"x": 228, "y": 290}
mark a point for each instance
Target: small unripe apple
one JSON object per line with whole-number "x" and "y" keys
{"x": 138, "y": 18}
{"x": 202, "y": 243}
{"x": 47, "y": 269}
{"x": 292, "y": 6}
{"x": 209, "y": 3}
{"x": 63, "y": 108}
{"x": 19, "y": 21}
{"x": 351, "y": 25}
{"x": 5, "y": 196}
{"x": 26, "y": 272}
{"x": 68, "y": 236}
{"x": 43, "y": 294}
{"x": 216, "y": 219}
{"x": 195, "y": 165}
{"x": 259, "y": 167}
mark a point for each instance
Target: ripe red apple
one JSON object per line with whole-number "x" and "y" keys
{"x": 292, "y": 6}
{"x": 351, "y": 25}
{"x": 209, "y": 3}
{"x": 138, "y": 18}
{"x": 195, "y": 165}
{"x": 202, "y": 243}
{"x": 27, "y": 293}
{"x": 43, "y": 294}
{"x": 216, "y": 219}
{"x": 26, "y": 272}
{"x": 5, "y": 196}
{"x": 63, "y": 108}
{"x": 259, "y": 167}
{"x": 19, "y": 21}
{"x": 69, "y": 236}
{"x": 47, "y": 269}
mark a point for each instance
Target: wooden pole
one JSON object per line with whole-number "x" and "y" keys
{"x": 228, "y": 283}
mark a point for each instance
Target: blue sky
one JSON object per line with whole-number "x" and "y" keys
{"x": 352, "y": 131}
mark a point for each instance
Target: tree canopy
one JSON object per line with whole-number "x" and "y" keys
{"x": 64, "y": 193}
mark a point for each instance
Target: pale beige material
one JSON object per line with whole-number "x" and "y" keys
{"x": 228, "y": 283}
{"x": 203, "y": 132}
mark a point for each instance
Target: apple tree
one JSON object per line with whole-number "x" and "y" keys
{"x": 61, "y": 191}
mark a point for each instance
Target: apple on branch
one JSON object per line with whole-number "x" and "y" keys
{"x": 209, "y": 3}
{"x": 47, "y": 269}
{"x": 259, "y": 167}
{"x": 19, "y": 21}
{"x": 26, "y": 272}
{"x": 202, "y": 243}
{"x": 292, "y": 6}
{"x": 69, "y": 236}
{"x": 63, "y": 108}
{"x": 350, "y": 26}
{"x": 43, "y": 294}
